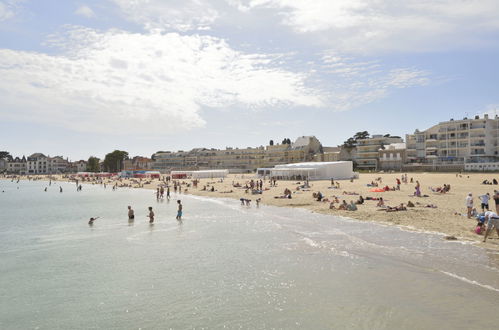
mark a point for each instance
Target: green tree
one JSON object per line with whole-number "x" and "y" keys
{"x": 352, "y": 142}
{"x": 93, "y": 164}
{"x": 113, "y": 162}
{"x": 5, "y": 155}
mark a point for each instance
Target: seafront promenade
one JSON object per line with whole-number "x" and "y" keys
{"x": 435, "y": 212}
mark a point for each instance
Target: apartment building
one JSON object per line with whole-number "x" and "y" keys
{"x": 17, "y": 166}
{"x": 455, "y": 142}
{"x": 367, "y": 157}
{"x": 238, "y": 159}
{"x": 38, "y": 163}
{"x": 393, "y": 157}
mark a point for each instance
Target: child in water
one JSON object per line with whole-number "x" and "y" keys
{"x": 151, "y": 215}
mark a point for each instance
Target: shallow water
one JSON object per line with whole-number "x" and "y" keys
{"x": 225, "y": 266}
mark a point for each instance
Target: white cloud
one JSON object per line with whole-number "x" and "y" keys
{"x": 85, "y": 11}
{"x": 8, "y": 9}
{"x": 357, "y": 83}
{"x": 179, "y": 15}
{"x": 141, "y": 84}
{"x": 369, "y": 26}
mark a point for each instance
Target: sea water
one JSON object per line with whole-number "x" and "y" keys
{"x": 225, "y": 266}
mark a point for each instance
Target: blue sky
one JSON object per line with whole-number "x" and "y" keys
{"x": 81, "y": 78}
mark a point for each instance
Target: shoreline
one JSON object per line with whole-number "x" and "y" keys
{"x": 440, "y": 221}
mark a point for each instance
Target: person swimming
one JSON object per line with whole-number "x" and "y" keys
{"x": 91, "y": 221}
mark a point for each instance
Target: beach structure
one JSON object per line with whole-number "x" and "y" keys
{"x": 450, "y": 145}
{"x": 202, "y": 174}
{"x": 314, "y": 171}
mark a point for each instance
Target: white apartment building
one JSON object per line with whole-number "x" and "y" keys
{"x": 38, "y": 163}
{"x": 455, "y": 142}
{"x": 367, "y": 157}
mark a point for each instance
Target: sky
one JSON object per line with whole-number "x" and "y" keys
{"x": 83, "y": 78}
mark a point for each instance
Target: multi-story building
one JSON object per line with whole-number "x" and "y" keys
{"x": 392, "y": 157}
{"x": 236, "y": 159}
{"x": 455, "y": 142}
{"x": 38, "y": 163}
{"x": 329, "y": 154}
{"x": 78, "y": 166}
{"x": 137, "y": 163}
{"x": 367, "y": 157}
{"x": 17, "y": 166}
{"x": 58, "y": 165}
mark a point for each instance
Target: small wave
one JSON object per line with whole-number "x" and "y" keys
{"x": 464, "y": 279}
{"x": 311, "y": 242}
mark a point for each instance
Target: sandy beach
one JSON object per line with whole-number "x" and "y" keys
{"x": 441, "y": 219}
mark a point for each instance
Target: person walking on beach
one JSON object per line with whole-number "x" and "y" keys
{"x": 151, "y": 215}
{"x": 91, "y": 221}
{"x": 179, "y": 210}
{"x": 131, "y": 214}
{"x": 168, "y": 192}
{"x": 484, "y": 199}
{"x": 469, "y": 204}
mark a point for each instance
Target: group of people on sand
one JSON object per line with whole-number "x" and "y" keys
{"x": 150, "y": 215}
{"x": 487, "y": 219}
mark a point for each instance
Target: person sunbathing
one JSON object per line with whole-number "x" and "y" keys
{"x": 401, "y": 207}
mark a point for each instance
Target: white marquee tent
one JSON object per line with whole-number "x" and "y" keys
{"x": 314, "y": 171}
{"x": 203, "y": 174}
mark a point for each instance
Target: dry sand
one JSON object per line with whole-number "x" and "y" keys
{"x": 441, "y": 219}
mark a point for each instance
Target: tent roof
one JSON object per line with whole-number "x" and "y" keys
{"x": 294, "y": 169}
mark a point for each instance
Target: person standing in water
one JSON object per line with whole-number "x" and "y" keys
{"x": 131, "y": 214}
{"x": 60, "y": 189}
{"x": 151, "y": 215}
{"x": 179, "y": 210}
{"x": 168, "y": 192}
